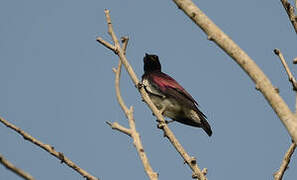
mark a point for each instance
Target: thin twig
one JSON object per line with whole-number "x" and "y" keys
{"x": 289, "y": 73}
{"x": 191, "y": 161}
{"x": 284, "y": 166}
{"x": 106, "y": 44}
{"x": 129, "y": 114}
{"x": 117, "y": 72}
{"x": 118, "y": 127}
{"x": 50, "y": 149}
{"x": 14, "y": 169}
{"x": 291, "y": 13}
{"x": 286, "y": 160}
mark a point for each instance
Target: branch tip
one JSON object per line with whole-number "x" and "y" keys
{"x": 276, "y": 51}
{"x": 109, "y": 123}
{"x": 106, "y": 11}
{"x": 295, "y": 60}
{"x": 204, "y": 171}
{"x": 124, "y": 38}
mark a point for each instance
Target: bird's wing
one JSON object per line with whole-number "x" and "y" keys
{"x": 164, "y": 82}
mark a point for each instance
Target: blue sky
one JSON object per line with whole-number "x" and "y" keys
{"x": 57, "y": 85}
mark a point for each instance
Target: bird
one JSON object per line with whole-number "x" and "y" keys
{"x": 172, "y": 100}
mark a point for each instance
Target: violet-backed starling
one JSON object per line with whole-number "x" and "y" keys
{"x": 171, "y": 98}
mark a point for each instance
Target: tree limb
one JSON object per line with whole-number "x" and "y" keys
{"x": 291, "y": 13}
{"x": 279, "y": 174}
{"x": 118, "y": 127}
{"x": 132, "y": 132}
{"x": 284, "y": 166}
{"x": 50, "y": 149}
{"x": 215, "y": 34}
{"x": 289, "y": 73}
{"x": 191, "y": 161}
{"x": 14, "y": 169}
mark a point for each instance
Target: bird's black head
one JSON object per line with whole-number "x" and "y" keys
{"x": 151, "y": 63}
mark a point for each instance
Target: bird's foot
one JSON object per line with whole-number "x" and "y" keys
{"x": 161, "y": 124}
{"x": 162, "y": 110}
{"x": 139, "y": 85}
{"x": 167, "y": 122}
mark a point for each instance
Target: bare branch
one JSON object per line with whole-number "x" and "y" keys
{"x": 14, "y": 169}
{"x": 289, "y": 73}
{"x": 118, "y": 127}
{"x": 279, "y": 174}
{"x": 106, "y": 44}
{"x": 284, "y": 166}
{"x": 291, "y": 13}
{"x": 129, "y": 114}
{"x": 197, "y": 173}
{"x": 118, "y": 75}
{"x": 246, "y": 63}
{"x": 50, "y": 149}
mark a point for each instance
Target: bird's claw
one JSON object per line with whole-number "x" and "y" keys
{"x": 166, "y": 122}
{"x": 139, "y": 85}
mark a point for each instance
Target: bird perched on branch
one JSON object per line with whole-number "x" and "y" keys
{"x": 169, "y": 97}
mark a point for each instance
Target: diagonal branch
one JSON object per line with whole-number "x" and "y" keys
{"x": 191, "y": 161}
{"x": 117, "y": 72}
{"x": 291, "y": 13}
{"x": 289, "y": 73}
{"x": 14, "y": 169}
{"x": 284, "y": 166}
{"x": 279, "y": 174}
{"x": 264, "y": 85}
{"x": 50, "y": 149}
{"x": 118, "y": 127}
{"x": 132, "y": 132}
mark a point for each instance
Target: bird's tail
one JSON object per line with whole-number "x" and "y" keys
{"x": 203, "y": 123}
{"x": 206, "y": 127}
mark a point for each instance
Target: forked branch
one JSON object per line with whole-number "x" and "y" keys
{"x": 286, "y": 160}
{"x": 215, "y": 34}
{"x": 132, "y": 132}
{"x": 116, "y": 48}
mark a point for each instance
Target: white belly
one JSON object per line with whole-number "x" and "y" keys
{"x": 172, "y": 106}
